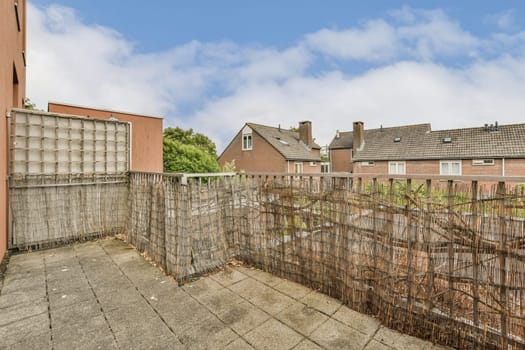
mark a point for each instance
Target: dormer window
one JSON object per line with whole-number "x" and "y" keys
{"x": 247, "y": 142}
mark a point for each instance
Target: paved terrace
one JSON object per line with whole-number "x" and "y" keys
{"x": 105, "y": 295}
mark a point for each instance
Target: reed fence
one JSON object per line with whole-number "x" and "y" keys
{"x": 442, "y": 259}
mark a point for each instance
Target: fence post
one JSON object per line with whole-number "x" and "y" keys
{"x": 410, "y": 243}
{"x": 475, "y": 252}
{"x": 500, "y": 195}
{"x": 451, "y": 255}
{"x": 429, "y": 241}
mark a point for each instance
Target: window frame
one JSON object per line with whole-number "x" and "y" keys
{"x": 367, "y": 163}
{"x": 297, "y": 165}
{"x": 247, "y": 138}
{"x": 449, "y": 163}
{"x": 397, "y": 163}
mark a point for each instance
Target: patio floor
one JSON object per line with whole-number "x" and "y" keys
{"x": 105, "y": 295}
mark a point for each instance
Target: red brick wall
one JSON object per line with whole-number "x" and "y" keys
{"x": 146, "y": 134}
{"x": 262, "y": 157}
{"x": 514, "y": 167}
{"x": 341, "y": 160}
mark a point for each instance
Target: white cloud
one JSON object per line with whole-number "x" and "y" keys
{"x": 375, "y": 41}
{"x": 216, "y": 87}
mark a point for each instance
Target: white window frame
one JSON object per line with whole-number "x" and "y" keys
{"x": 298, "y": 166}
{"x": 313, "y": 163}
{"x": 483, "y": 162}
{"x": 397, "y": 165}
{"x": 369, "y": 163}
{"x": 247, "y": 142}
{"x": 449, "y": 163}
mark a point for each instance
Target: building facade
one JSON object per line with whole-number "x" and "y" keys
{"x": 261, "y": 148}
{"x": 417, "y": 150}
{"x": 146, "y": 133}
{"x": 12, "y": 90}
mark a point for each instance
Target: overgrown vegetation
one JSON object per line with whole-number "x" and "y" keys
{"x": 188, "y": 152}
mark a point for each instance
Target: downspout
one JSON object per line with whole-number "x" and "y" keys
{"x": 502, "y": 166}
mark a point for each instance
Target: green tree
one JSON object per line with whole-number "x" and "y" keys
{"x": 188, "y": 152}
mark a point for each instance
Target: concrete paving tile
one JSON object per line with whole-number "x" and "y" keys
{"x": 273, "y": 335}
{"x": 271, "y": 300}
{"x": 307, "y": 345}
{"x": 220, "y": 300}
{"x": 247, "y": 288}
{"x": 181, "y": 316}
{"x": 17, "y": 312}
{"x": 90, "y": 341}
{"x": 58, "y": 299}
{"x": 22, "y": 297}
{"x": 74, "y": 313}
{"x": 375, "y": 345}
{"x": 301, "y": 318}
{"x": 228, "y": 276}
{"x": 335, "y": 335}
{"x": 400, "y": 341}
{"x": 23, "y": 282}
{"x": 243, "y": 317}
{"x": 321, "y": 302}
{"x": 211, "y": 333}
{"x": 148, "y": 338}
{"x": 239, "y": 344}
{"x": 159, "y": 286}
{"x": 363, "y": 323}
{"x": 35, "y": 342}
{"x": 63, "y": 285}
{"x": 265, "y": 277}
{"x": 134, "y": 317}
{"x": 202, "y": 287}
{"x": 292, "y": 289}
{"x": 16, "y": 332}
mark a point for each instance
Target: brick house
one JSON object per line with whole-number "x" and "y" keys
{"x": 497, "y": 150}
{"x": 264, "y": 148}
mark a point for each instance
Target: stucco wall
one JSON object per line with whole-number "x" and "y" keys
{"x": 146, "y": 134}
{"x": 11, "y": 95}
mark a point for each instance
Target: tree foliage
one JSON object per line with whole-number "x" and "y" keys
{"x": 188, "y": 152}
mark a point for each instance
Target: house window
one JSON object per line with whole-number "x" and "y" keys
{"x": 247, "y": 141}
{"x": 368, "y": 163}
{"x": 396, "y": 168}
{"x": 482, "y": 161}
{"x": 325, "y": 167}
{"x": 450, "y": 167}
{"x": 313, "y": 163}
{"x": 298, "y": 168}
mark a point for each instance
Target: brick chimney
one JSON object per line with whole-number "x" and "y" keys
{"x": 305, "y": 133}
{"x": 358, "y": 134}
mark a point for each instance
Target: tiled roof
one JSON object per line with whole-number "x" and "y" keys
{"x": 344, "y": 140}
{"x": 286, "y": 142}
{"x": 419, "y": 142}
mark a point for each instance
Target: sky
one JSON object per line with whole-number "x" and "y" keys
{"x": 214, "y": 65}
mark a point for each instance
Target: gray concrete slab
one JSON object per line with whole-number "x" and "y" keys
{"x": 105, "y": 295}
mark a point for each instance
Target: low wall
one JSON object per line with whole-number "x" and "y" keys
{"x": 52, "y": 210}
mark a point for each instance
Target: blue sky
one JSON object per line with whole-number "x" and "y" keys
{"x": 213, "y": 65}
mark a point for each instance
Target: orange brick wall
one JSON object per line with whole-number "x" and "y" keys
{"x": 341, "y": 160}
{"x": 146, "y": 134}
{"x": 12, "y": 95}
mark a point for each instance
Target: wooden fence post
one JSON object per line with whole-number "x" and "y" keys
{"x": 502, "y": 258}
